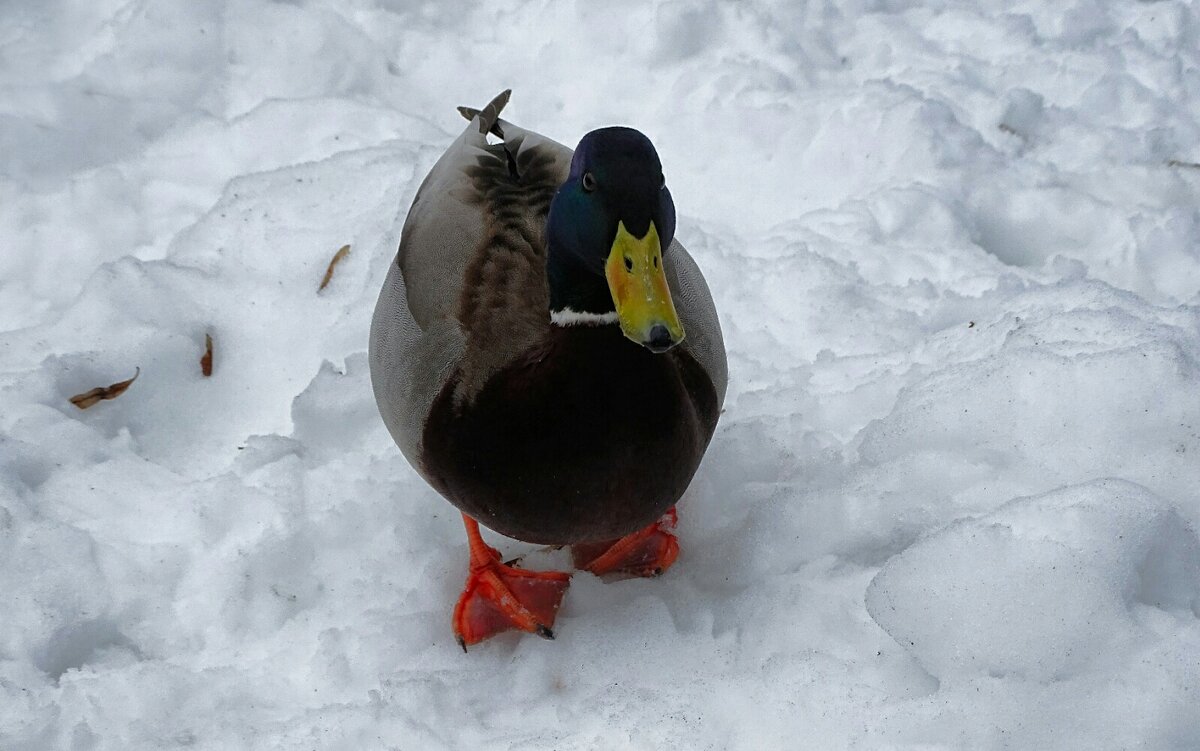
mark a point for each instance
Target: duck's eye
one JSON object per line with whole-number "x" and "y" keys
{"x": 662, "y": 182}
{"x": 589, "y": 182}
{"x": 656, "y": 262}
{"x": 628, "y": 263}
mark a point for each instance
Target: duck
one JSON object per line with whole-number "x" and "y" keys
{"x": 548, "y": 358}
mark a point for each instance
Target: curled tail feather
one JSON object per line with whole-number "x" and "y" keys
{"x": 489, "y": 116}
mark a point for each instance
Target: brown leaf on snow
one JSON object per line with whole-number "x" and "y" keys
{"x": 206, "y": 360}
{"x": 337, "y": 257}
{"x": 88, "y": 398}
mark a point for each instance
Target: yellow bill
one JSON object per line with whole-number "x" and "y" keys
{"x": 639, "y": 290}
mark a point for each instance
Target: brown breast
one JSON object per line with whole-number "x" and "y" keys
{"x": 585, "y": 437}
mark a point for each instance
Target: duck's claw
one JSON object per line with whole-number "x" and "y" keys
{"x": 498, "y": 598}
{"x": 647, "y": 552}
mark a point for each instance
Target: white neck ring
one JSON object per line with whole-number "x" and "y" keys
{"x": 568, "y": 317}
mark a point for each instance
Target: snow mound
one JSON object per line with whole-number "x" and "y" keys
{"x": 1044, "y": 588}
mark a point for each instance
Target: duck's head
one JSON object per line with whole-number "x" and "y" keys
{"x": 608, "y": 228}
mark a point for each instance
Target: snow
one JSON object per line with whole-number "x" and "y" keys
{"x": 1061, "y": 591}
{"x": 952, "y": 502}
{"x": 1043, "y": 588}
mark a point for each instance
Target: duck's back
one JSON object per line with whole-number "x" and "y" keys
{"x": 479, "y": 198}
{"x": 468, "y": 281}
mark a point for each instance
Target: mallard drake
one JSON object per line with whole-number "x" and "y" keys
{"x": 548, "y": 357}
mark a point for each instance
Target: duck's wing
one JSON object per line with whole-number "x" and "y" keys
{"x": 470, "y": 269}
{"x": 694, "y": 303}
{"x": 477, "y": 196}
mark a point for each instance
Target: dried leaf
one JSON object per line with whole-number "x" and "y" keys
{"x": 971, "y": 324}
{"x": 88, "y": 398}
{"x": 206, "y": 360}
{"x": 1180, "y": 163}
{"x": 337, "y": 257}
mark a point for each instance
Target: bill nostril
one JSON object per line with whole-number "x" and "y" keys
{"x": 660, "y": 338}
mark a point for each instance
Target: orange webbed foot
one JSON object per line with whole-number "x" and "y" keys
{"x": 647, "y": 552}
{"x": 498, "y": 598}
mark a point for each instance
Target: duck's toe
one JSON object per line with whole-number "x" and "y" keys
{"x": 647, "y": 552}
{"x": 498, "y": 597}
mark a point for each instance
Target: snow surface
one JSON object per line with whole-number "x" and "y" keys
{"x": 954, "y": 497}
